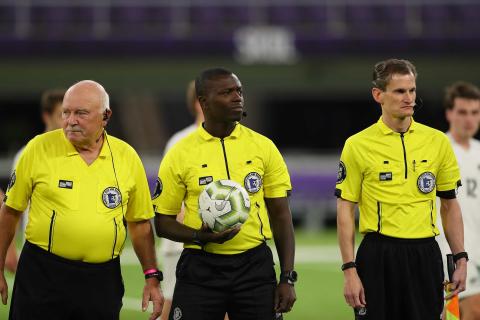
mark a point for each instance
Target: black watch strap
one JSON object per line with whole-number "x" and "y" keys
{"x": 349, "y": 265}
{"x": 157, "y": 274}
{"x": 289, "y": 277}
{"x": 196, "y": 239}
{"x": 459, "y": 256}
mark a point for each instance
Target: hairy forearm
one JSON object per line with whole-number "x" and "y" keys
{"x": 8, "y": 223}
{"x": 346, "y": 229}
{"x": 141, "y": 235}
{"x": 452, "y": 224}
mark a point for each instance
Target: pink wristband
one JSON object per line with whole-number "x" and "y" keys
{"x": 149, "y": 271}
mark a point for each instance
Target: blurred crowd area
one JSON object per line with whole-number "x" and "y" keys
{"x": 306, "y": 67}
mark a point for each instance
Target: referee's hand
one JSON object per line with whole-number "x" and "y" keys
{"x": 152, "y": 292}
{"x": 206, "y": 235}
{"x": 285, "y": 297}
{"x": 353, "y": 289}
{"x": 3, "y": 288}
{"x": 459, "y": 278}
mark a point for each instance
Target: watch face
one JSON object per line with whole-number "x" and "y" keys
{"x": 293, "y": 276}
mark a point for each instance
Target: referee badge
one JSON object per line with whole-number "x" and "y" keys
{"x": 111, "y": 197}
{"x": 158, "y": 189}
{"x": 177, "y": 313}
{"x": 342, "y": 172}
{"x": 253, "y": 182}
{"x": 13, "y": 178}
{"x": 426, "y": 182}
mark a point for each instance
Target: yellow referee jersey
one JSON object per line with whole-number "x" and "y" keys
{"x": 77, "y": 210}
{"x": 395, "y": 178}
{"x": 246, "y": 157}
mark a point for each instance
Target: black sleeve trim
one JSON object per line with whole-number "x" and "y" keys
{"x": 338, "y": 193}
{"x": 459, "y": 183}
{"x": 289, "y": 193}
{"x": 450, "y": 194}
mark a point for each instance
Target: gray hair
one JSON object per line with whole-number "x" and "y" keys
{"x": 104, "y": 95}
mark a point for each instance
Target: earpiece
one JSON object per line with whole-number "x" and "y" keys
{"x": 105, "y": 116}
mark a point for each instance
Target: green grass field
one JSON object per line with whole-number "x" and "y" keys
{"x": 319, "y": 289}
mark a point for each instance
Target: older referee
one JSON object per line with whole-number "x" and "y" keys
{"x": 394, "y": 170}
{"x": 85, "y": 187}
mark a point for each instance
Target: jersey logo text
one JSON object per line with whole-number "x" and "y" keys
{"x": 385, "y": 176}
{"x": 67, "y": 184}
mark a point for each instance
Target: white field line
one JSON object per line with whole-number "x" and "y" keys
{"x": 303, "y": 254}
{"x": 135, "y": 304}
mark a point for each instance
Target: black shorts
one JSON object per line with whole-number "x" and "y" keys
{"x": 51, "y": 287}
{"x": 210, "y": 285}
{"x": 402, "y": 278}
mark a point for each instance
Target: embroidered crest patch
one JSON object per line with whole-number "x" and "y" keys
{"x": 111, "y": 197}
{"x": 426, "y": 182}
{"x": 253, "y": 182}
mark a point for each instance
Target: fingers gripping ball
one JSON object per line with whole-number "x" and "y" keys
{"x": 223, "y": 204}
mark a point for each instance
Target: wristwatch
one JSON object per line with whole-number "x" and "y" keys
{"x": 154, "y": 273}
{"x": 289, "y": 277}
{"x": 196, "y": 238}
{"x": 459, "y": 256}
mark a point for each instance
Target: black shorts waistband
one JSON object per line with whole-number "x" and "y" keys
{"x": 34, "y": 249}
{"x": 380, "y": 237}
{"x": 246, "y": 253}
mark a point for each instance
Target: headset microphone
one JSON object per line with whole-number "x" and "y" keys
{"x": 418, "y": 103}
{"x": 244, "y": 114}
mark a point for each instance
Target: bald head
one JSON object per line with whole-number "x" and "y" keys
{"x": 85, "y": 112}
{"x": 94, "y": 89}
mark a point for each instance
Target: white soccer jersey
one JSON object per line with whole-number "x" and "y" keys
{"x": 469, "y": 198}
{"x": 169, "y": 246}
{"x": 469, "y": 195}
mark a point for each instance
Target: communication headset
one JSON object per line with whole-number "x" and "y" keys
{"x": 105, "y": 117}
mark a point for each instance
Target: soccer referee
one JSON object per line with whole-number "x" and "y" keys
{"x": 394, "y": 170}
{"x": 84, "y": 187}
{"x": 231, "y": 271}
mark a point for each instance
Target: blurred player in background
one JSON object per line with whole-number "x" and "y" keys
{"x": 394, "y": 170}
{"x": 170, "y": 250}
{"x": 230, "y": 271}
{"x": 51, "y": 113}
{"x": 84, "y": 188}
{"x": 462, "y": 104}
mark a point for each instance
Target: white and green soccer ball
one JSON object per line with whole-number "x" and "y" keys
{"x": 223, "y": 204}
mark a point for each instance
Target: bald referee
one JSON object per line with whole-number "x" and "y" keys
{"x": 394, "y": 170}
{"x": 231, "y": 271}
{"x": 85, "y": 187}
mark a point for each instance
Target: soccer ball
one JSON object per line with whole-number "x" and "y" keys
{"x": 223, "y": 204}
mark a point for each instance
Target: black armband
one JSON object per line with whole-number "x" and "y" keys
{"x": 449, "y": 194}
{"x": 338, "y": 193}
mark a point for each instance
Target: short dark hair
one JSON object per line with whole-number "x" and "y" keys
{"x": 191, "y": 97}
{"x": 50, "y": 99}
{"x": 460, "y": 89}
{"x": 207, "y": 75}
{"x": 384, "y": 70}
